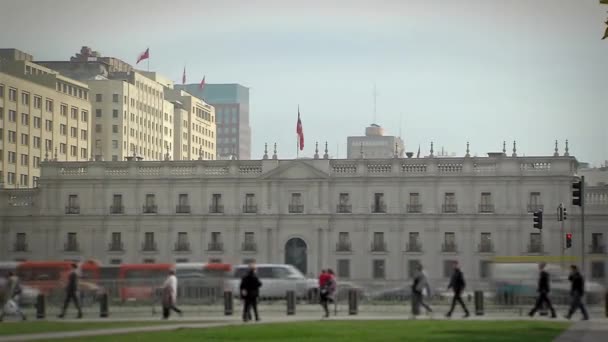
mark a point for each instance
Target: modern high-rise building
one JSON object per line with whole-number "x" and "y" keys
{"x": 374, "y": 145}
{"x": 43, "y": 115}
{"x": 231, "y": 102}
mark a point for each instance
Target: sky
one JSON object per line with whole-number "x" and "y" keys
{"x": 447, "y": 71}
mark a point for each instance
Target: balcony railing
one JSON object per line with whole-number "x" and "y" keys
{"x": 343, "y": 246}
{"x": 150, "y": 209}
{"x": 414, "y": 247}
{"x": 450, "y": 208}
{"x": 250, "y": 208}
{"x": 71, "y": 247}
{"x": 117, "y": 209}
{"x": 149, "y": 246}
{"x": 215, "y": 246}
{"x": 182, "y": 246}
{"x": 597, "y": 249}
{"x": 535, "y": 207}
{"x": 116, "y": 246}
{"x": 485, "y": 247}
{"x": 535, "y": 248}
{"x": 20, "y": 247}
{"x": 379, "y": 208}
{"x": 296, "y": 208}
{"x": 486, "y": 208}
{"x": 379, "y": 246}
{"x": 344, "y": 208}
{"x": 72, "y": 210}
{"x": 249, "y": 246}
{"x": 182, "y": 209}
{"x": 216, "y": 209}
{"x": 449, "y": 247}
{"x": 414, "y": 208}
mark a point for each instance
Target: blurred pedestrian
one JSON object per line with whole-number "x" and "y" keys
{"x": 250, "y": 291}
{"x": 169, "y": 294}
{"x": 457, "y": 284}
{"x": 577, "y": 291}
{"x": 71, "y": 292}
{"x": 327, "y": 290}
{"x": 419, "y": 286}
{"x": 12, "y": 295}
{"x": 543, "y": 291}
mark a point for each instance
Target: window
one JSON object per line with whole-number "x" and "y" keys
{"x": 48, "y": 124}
{"x": 296, "y": 206}
{"x": 597, "y": 243}
{"x": 24, "y": 180}
{"x": 115, "y": 98}
{"x": 114, "y": 128}
{"x": 534, "y": 202}
{"x": 449, "y": 242}
{"x": 12, "y": 94}
{"x": 448, "y": 267}
{"x": 378, "y": 206}
{"x": 84, "y": 116}
{"x": 83, "y": 134}
{"x": 12, "y": 157}
{"x": 116, "y": 242}
{"x": 182, "y": 243}
{"x": 25, "y": 98}
{"x": 98, "y": 113}
{"x": 98, "y": 128}
{"x": 71, "y": 244}
{"x": 25, "y": 119}
{"x": 63, "y": 129}
{"x": 49, "y": 105}
{"x": 98, "y": 98}
{"x": 12, "y": 137}
{"x": 216, "y": 242}
{"x": 598, "y": 270}
{"x": 344, "y": 205}
{"x": 63, "y": 110}
{"x": 183, "y": 205}
{"x": 20, "y": 242}
{"x": 74, "y": 113}
{"x": 115, "y": 113}
{"x": 37, "y": 102}
{"x": 485, "y": 205}
{"x": 449, "y": 203}
{"x": 149, "y": 243}
{"x": 48, "y": 144}
{"x": 117, "y": 207}
{"x": 73, "y": 132}
{"x": 37, "y": 122}
{"x": 378, "y": 271}
{"x": 73, "y": 201}
{"x": 484, "y": 269}
{"x": 114, "y": 143}
{"x": 413, "y": 244}
{"x": 12, "y": 116}
{"x": 343, "y": 268}
{"x": 25, "y": 160}
{"x": 250, "y": 206}
{"x": 485, "y": 243}
{"x": 378, "y": 243}
{"x": 343, "y": 244}
{"x": 1, "y": 91}
{"x": 1, "y": 133}
{"x": 535, "y": 245}
{"x": 83, "y": 153}
{"x": 25, "y": 139}
{"x": 36, "y": 162}
{"x": 412, "y": 267}
{"x": 63, "y": 148}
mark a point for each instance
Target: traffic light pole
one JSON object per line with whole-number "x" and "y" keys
{"x": 583, "y": 223}
{"x": 563, "y": 249}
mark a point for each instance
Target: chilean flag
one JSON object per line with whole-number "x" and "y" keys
{"x": 184, "y": 76}
{"x": 143, "y": 55}
{"x": 202, "y": 85}
{"x": 300, "y": 131}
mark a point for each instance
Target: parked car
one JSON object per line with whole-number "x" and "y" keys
{"x": 276, "y": 280}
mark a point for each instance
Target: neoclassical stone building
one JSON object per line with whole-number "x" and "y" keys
{"x": 368, "y": 219}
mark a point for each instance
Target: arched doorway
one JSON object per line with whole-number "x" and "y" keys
{"x": 296, "y": 254}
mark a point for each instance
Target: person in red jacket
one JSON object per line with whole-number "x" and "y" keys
{"x": 323, "y": 278}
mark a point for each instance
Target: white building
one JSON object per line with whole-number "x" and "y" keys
{"x": 374, "y": 145}
{"x": 368, "y": 219}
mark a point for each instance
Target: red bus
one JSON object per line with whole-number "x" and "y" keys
{"x": 49, "y": 276}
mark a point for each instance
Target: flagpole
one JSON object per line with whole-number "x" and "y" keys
{"x": 297, "y": 147}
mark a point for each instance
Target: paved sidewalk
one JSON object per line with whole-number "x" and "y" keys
{"x": 585, "y": 331}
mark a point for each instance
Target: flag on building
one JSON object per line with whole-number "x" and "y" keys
{"x": 184, "y": 76}
{"x": 202, "y": 85}
{"x": 143, "y": 55}
{"x": 300, "y": 132}
{"x": 418, "y": 155}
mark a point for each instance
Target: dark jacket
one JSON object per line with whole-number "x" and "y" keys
{"x": 457, "y": 282}
{"x": 251, "y": 284}
{"x": 72, "y": 286}
{"x": 544, "y": 282}
{"x": 577, "y": 284}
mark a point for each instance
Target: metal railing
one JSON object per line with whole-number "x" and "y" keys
{"x": 116, "y": 246}
{"x": 182, "y": 209}
{"x": 117, "y": 209}
{"x": 597, "y": 249}
{"x": 344, "y": 208}
{"x": 296, "y": 208}
{"x": 533, "y": 207}
{"x": 379, "y": 208}
{"x": 414, "y": 208}
{"x": 72, "y": 210}
{"x": 149, "y": 246}
{"x": 20, "y": 247}
{"x": 215, "y": 246}
{"x": 250, "y": 208}
{"x": 150, "y": 209}
{"x": 449, "y": 247}
{"x": 485, "y": 247}
{"x": 343, "y": 246}
{"x": 449, "y": 208}
{"x": 413, "y": 247}
{"x": 535, "y": 248}
{"x": 216, "y": 209}
{"x": 486, "y": 208}
{"x": 249, "y": 246}
{"x": 182, "y": 247}
{"x": 378, "y": 246}
{"x": 71, "y": 247}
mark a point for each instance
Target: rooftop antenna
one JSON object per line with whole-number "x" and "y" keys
{"x": 400, "y": 120}
{"x": 375, "y": 95}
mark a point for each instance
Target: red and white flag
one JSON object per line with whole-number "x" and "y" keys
{"x": 202, "y": 85}
{"x": 143, "y": 55}
{"x": 300, "y": 131}
{"x": 184, "y": 76}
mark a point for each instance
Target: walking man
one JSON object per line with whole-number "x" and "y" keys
{"x": 71, "y": 292}
{"x": 577, "y": 291}
{"x": 457, "y": 284}
{"x": 170, "y": 295}
{"x": 327, "y": 291}
{"x": 250, "y": 290}
{"x": 12, "y": 294}
{"x": 419, "y": 285}
{"x": 543, "y": 291}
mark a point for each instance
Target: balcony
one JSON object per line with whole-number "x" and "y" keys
{"x": 149, "y": 246}
{"x": 72, "y": 210}
{"x": 485, "y": 247}
{"x": 534, "y": 248}
{"x": 182, "y": 209}
{"x": 378, "y": 246}
{"x": 20, "y": 247}
{"x": 344, "y": 208}
{"x": 343, "y": 246}
{"x": 597, "y": 249}
{"x": 216, "y": 209}
{"x": 116, "y": 246}
{"x": 379, "y": 208}
{"x": 182, "y": 246}
{"x": 296, "y": 208}
{"x": 413, "y": 247}
{"x": 486, "y": 208}
{"x": 535, "y": 207}
{"x": 449, "y": 247}
{"x": 117, "y": 209}
{"x": 215, "y": 247}
{"x": 150, "y": 209}
{"x": 414, "y": 208}
{"x": 250, "y": 208}
{"x": 450, "y": 208}
{"x": 249, "y": 246}
{"x": 71, "y": 247}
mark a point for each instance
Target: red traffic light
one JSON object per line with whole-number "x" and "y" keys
{"x": 569, "y": 236}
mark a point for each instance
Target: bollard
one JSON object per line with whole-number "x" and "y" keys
{"x": 352, "y": 301}
{"x": 228, "y": 303}
{"x": 291, "y": 303}
{"x": 103, "y": 305}
{"x": 479, "y": 303}
{"x": 40, "y": 306}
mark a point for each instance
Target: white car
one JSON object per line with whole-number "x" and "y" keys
{"x": 276, "y": 280}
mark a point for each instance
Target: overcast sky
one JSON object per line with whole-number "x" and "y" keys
{"x": 449, "y": 71}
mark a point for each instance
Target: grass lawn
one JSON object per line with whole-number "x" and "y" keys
{"x": 351, "y": 331}
{"x": 35, "y": 327}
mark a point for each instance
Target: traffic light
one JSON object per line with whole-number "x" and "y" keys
{"x": 562, "y": 213}
{"x": 538, "y": 219}
{"x": 577, "y": 193}
{"x": 568, "y": 240}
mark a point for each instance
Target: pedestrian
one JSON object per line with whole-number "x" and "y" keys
{"x": 12, "y": 295}
{"x": 419, "y": 286}
{"x": 577, "y": 291}
{"x": 170, "y": 295}
{"x": 71, "y": 292}
{"x": 250, "y": 290}
{"x": 457, "y": 284}
{"x": 543, "y": 291}
{"x": 327, "y": 290}
{"x": 323, "y": 277}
